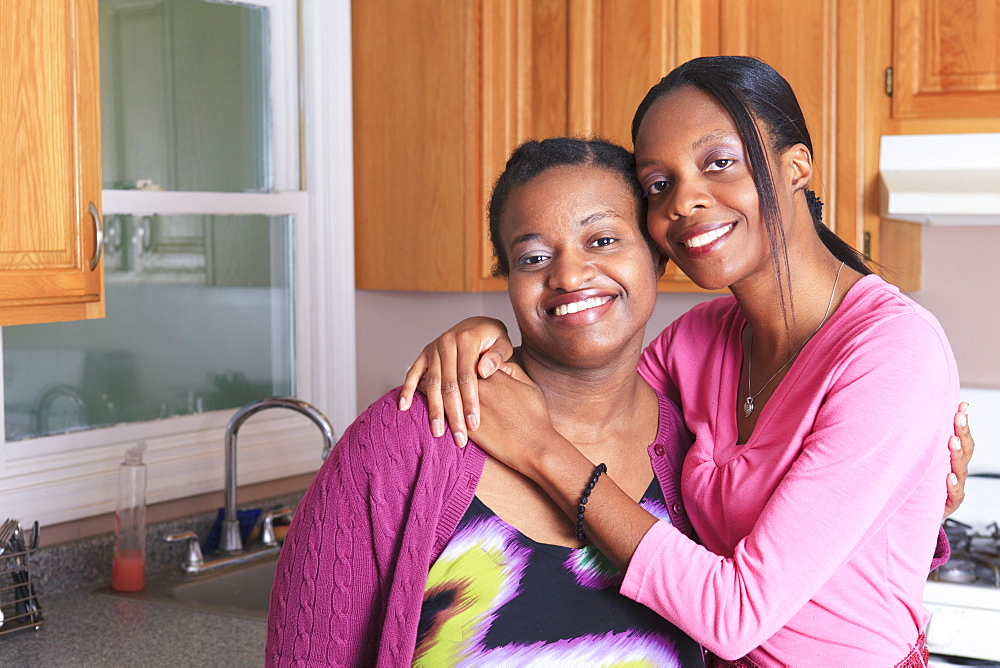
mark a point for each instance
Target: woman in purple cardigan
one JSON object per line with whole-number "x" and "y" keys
{"x": 405, "y": 552}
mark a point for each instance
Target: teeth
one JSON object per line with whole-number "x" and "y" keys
{"x": 708, "y": 237}
{"x": 576, "y": 307}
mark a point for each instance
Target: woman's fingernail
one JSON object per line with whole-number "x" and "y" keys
{"x": 953, "y": 479}
{"x": 964, "y": 407}
{"x": 473, "y": 421}
{"x": 460, "y": 439}
{"x": 956, "y": 443}
{"x": 489, "y": 366}
{"x": 403, "y": 404}
{"x": 437, "y": 428}
{"x": 962, "y": 421}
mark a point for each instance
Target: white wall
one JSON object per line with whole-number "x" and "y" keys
{"x": 961, "y": 279}
{"x": 394, "y": 326}
{"x": 961, "y": 286}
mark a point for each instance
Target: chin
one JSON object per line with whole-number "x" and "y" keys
{"x": 709, "y": 277}
{"x": 707, "y": 280}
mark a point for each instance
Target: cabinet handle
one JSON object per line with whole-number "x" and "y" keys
{"x": 98, "y": 233}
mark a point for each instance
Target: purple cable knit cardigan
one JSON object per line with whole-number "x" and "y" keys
{"x": 352, "y": 572}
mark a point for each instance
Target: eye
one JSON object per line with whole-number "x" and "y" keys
{"x": 720, "y": 164}
{"x": 603, "y": 241}
{"x": 532, "y": 259}
{"x": 656, "y": 187}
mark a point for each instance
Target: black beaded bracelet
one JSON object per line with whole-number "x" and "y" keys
{"x": 601, "y": 468}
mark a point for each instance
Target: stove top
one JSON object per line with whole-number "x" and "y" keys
{"x": 975, "y": 555}
{"x": 963, "y": 597}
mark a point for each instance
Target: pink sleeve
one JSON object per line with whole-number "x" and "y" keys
{"x": 876, "y": 439}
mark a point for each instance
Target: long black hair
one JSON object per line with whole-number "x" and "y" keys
{"x": 751, "y": 90}
{"x": 532, "y": 158}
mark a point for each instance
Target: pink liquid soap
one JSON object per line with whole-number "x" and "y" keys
{"x": 128, "y": 572}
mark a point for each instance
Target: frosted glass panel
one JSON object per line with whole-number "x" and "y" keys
{"x": 184, "y": 96}
{"x": 199, "y": 318}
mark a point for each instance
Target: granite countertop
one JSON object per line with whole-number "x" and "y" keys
{"x": 86, "y": 629}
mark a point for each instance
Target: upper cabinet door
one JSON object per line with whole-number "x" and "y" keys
{"x": 50, "y": 226}
{"x": 413, "y": 139}
{"x": 946, "y": 59}
{"x": 443, "y": 91}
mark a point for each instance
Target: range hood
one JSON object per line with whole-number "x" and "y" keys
{"x": 941, "y": 179}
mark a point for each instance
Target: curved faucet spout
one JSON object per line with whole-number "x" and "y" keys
{"x": 230, "y": 540}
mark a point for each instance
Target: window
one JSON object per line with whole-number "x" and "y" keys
{"x": 226, "y": 280}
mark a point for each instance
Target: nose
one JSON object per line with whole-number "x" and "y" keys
{"x": 570, "y": 271}
{"x": 686, "y": 197}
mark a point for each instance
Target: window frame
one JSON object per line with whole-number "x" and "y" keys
{"x": 71, "y": 476}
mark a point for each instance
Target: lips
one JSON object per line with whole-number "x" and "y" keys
{"x": 577, "y": 302}
{"x": 576, "y": 307}
{"x": 705, "y": 238}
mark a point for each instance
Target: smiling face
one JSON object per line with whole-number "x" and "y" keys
{"x": 704, "y": 211}
{"x": 582, "y": 277}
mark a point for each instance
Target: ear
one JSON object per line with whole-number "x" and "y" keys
{"x": 800, "y": 166}
{"x": 661, "y": 264}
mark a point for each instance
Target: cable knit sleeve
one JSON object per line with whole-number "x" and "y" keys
{"x": 350, "y": 577}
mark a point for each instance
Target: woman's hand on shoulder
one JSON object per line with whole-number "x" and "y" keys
{"x": 447, "y": 371}
{"x": 515, "y": 419}
{"x": 961, "y": 446}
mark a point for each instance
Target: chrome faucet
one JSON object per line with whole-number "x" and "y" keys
{"x": 230, "y": 540}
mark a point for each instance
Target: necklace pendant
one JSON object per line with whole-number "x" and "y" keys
{"x": 748, "y": 407}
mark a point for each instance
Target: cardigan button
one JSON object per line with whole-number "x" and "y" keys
{"x": 676, "y": 507}
{"x": 659, "y": 450}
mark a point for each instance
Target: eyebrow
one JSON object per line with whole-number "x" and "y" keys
{"x": 595, "y": 217}
{"x": 711, "y": 137}
{"x": 696, "y": 144}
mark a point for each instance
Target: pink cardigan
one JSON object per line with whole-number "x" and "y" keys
{"x": 827, "y": 518}
{"x": 351, "y": 576}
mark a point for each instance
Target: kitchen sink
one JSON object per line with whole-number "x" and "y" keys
{"x": 242, "y": 590}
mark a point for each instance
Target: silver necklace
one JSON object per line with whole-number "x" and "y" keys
{"x": 748, "y": 404}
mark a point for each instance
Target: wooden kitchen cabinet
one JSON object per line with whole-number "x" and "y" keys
{"x": 946, "y": 59}
{"x": 834, "y": 53}
{"x": 618, "y": 49}
{"x": 460, "y": 84}
{"x": 445, "y": 89}
{"x": 628, "y": 46}
{"x": 51, "y": 156}
{"x": 945, "y": 78}
{"x": 442, "y": 91}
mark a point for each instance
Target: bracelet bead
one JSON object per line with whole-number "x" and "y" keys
{"x": 581, "y": 509}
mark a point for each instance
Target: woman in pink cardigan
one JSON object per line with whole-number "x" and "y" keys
{"x": 817, "y": 395}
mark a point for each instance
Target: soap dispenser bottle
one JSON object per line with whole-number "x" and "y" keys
{"x": 128, "y": 570}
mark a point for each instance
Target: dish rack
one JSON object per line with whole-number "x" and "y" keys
{"x": 19, "y": 599}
